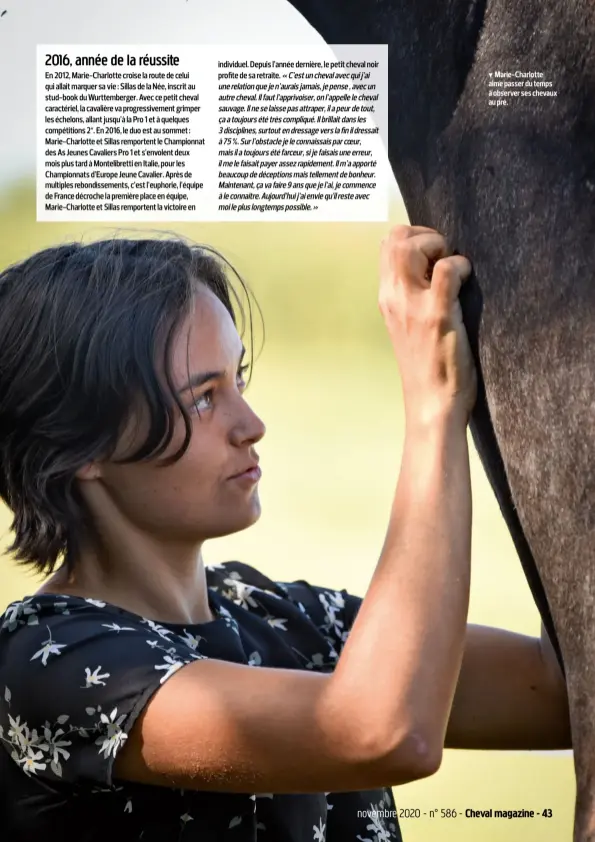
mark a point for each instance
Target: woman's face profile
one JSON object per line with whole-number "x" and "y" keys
{"x": 200, "y": 496}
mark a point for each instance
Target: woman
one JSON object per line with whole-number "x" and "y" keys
{"x": 150, "y": 696}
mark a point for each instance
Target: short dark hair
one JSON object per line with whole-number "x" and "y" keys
{"x": 81, "y": 329}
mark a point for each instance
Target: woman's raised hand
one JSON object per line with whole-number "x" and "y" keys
{"x": 419, "y": 300}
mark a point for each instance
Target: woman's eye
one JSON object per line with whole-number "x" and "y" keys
{"x": 241, "y": 372}
{"x": 204, "y": 401}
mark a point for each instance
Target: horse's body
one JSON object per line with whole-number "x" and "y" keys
{"x": 513, "y": 188}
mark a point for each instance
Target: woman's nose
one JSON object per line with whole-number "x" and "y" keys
{"x": 249, "y": 429}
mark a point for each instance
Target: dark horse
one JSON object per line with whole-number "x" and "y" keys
{"x": 513, "y": 188}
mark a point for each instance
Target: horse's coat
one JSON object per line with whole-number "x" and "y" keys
{"x": 512, "y": 188}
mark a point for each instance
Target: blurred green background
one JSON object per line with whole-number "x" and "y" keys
{"x": 326, "y": 385}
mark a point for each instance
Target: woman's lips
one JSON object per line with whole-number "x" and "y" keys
{"x": 251, "y": 476}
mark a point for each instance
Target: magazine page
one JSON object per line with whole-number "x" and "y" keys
{"x": 273, "y": 362}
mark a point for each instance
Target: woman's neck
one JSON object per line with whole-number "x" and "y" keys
{"x": 153, "y": 588}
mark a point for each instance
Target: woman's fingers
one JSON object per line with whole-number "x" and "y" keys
{"x": 448, "y": 276}
{"x": 419, "y": 288}
{"x": 407, "y": 256}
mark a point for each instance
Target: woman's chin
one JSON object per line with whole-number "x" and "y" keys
{"x": 243, "y": 517}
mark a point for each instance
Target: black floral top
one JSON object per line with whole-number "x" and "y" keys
{"x": 75, "y": 674}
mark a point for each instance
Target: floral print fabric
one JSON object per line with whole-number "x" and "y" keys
{"x": 76, "y": 673}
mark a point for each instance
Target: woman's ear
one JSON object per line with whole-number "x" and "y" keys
{"x": 89, "y": 472}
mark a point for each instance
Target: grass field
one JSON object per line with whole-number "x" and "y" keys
{"x": 326, "y": 385}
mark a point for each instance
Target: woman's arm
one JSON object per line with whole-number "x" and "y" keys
{"x": 511, "y": 694}
{"x": 380, "y": 718}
